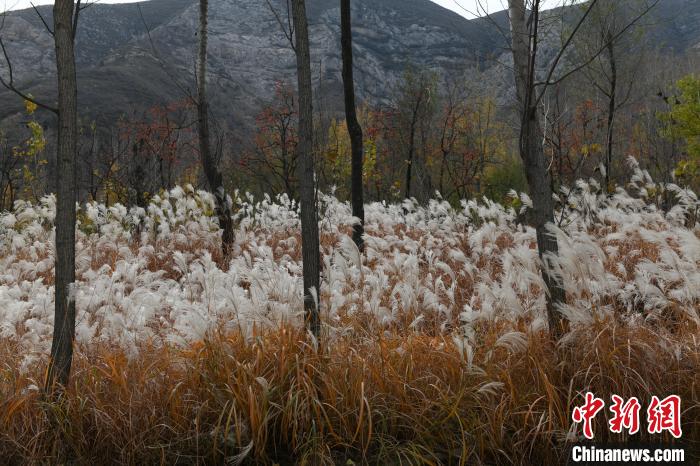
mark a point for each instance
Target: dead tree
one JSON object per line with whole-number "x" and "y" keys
{"x": 525, "y": 37}
{"x": 613, "y": 74}
{"x": 524, "y": 16}
{"x": 354, "y": 128}
{"x": 309, "y": 210}
{"x": 209, "y": 164}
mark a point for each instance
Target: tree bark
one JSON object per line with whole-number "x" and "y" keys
{"x": 354, "y": 128}
{"x": 409, "y": 159}
{"x": 532, "y": 153}
{"x": 209, "y": 164}
{"x": 612, "y": 108}
{"x": 64, "y": 318}
{"x": 309, "y": 213}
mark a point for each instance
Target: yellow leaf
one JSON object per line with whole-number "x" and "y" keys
{"x": 30, "y": 107}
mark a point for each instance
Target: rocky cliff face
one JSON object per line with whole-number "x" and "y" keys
{"x": 132, "y": 57}
{"x": 135, "y": 56}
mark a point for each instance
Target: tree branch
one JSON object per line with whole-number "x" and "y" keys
{"x": 41, "y": 17}
{"x": 288, "y": 30}
{"x": 10, "y": 84}
{"x": 564, "y": 47}
{"x": 76, "y": 15}
{"x": 549, "y": 82}
{"x": 154, "y": 51}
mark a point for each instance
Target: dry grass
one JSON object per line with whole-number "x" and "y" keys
{"x": 380, "y": 390}
{"x": 395, "y": 398}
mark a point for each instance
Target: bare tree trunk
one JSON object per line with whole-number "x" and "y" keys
{"x": 354, "y": 128}
{"x": 209, "y": 164}
{"x": 64, "y": 319}
{"x": 612, "y": 108}
{"x": 411, "y": 153}
{"x": 309, "y": 213}
{"x": 532, "y": 153}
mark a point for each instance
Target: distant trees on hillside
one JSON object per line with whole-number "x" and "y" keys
{"x": 272, "y": 161}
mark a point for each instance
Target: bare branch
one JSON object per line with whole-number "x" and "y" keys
{"x": 41, "y": 17}
{"x": 549, "y": 82}
{"x": 76, "y": 15}
{"x": 9, "y": 84}
{"x": 156, "y": 55}
{"x": 480, "y": 8}
{"x": 564, "y": 47}
{"x": 288, "y": 29}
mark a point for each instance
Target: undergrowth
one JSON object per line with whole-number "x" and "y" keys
{"x": 392, "y": 398}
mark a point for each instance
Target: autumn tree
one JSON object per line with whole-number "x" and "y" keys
{"x": 23, "y": 167}
{"x": 571, "y": 139}
{"x": 334, "y": 166}
{"x": 452, "y": 120}
{"x": 160, "y": 149}
{"x": 8, "y": 167}
{"x": 105, "y": 163}
{"x": 683, "y": 124}
{"x": 273, "y": 159}
{"x": 65, "y": 24}
{"x": 469, "y": 139}
{"x": 413, "y": 111}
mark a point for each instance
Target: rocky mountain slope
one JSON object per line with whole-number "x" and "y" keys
{"x": 132, "y": 56}
{"x": 138, "y": 55}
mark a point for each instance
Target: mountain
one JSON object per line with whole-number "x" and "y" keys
{"x": 138, "y": 55}
{"x": 676, "y": 25}
{"x": 133, "y": 56}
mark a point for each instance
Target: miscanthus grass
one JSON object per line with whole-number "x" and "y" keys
{"x": 434, "y": 346}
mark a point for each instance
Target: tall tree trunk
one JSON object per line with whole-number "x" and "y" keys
{"x": 354, "y": 128}
{"x": 443, "y": 162}
{"x": 532, "y": 153}
{"x": 209, "y": 164}
{"x": 411, "y": 154}
{"x": 612, "y": 108}
{"x": 309, "y": 214}
{"x": 64, "y": 317}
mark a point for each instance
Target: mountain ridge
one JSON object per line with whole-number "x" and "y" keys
{"x": 133, "y": 56}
